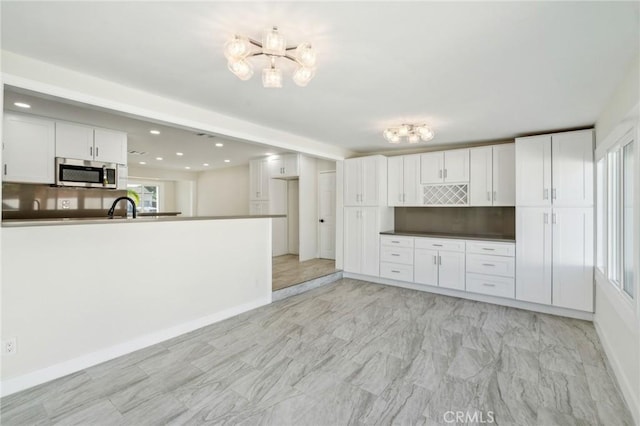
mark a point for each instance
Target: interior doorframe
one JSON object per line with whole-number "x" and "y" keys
{"x": 318, "y": 233}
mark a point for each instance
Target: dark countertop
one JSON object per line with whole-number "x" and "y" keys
{"x": 16, "y": 223}
{"x": 496, "y": 238}
{"x": 159, "y": 214}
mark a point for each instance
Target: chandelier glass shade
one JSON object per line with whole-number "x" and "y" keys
{"x": 239, "y": 49}
{"x": 413, "y": 133}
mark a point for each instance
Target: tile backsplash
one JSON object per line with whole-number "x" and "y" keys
{"x": 494, "y": 221}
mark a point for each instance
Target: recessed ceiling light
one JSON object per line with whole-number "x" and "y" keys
{"x": 143, "y": 162}
{"x": 227, "y": 161}
{"x": 22, "y": 105}
{"x": 187, "y": 167}
{"x": 179, "y": 154}
{"x": 268, "y": 153}
{"x": 154, "y": 132}
{"x": 206, "y": 164}
{"x": 159, "y": 158}
{"x": 219, "y": 144}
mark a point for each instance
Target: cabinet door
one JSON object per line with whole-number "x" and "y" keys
{"x": 255, "y": 174}
{"x": 411, "y": 180}
{"x": 533, "y": 171}
{"x": 456, "y": 165}
{"x": 370, "y": 249}
{"x": 480, "y": 176}
{"x": 275, "y": 167}
{"x": 352, "y": 178}
{"x": 110, "y": 146}
{"x": 425, "y": 267}
{"x": 258, "y": 207}
{"x": 431, "y": 167}
{"x": 451, "y": 270}
{"x": 573, "y": 258}
{"x": 279, "y": 236}
{"x": 533, "y": 254}
{"x": 74, "y": 141}
{"x": 395, "y": 178}
{"x": 28, "y": 149}
{"x": 572, "y": 169}
{"x": 370, "y": 181}
{"x": 290, "y": 165}
{"x": 352, "y": 240}
{"x": 504, "y": 175}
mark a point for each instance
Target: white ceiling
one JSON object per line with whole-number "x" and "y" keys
{"x": 196, "y": 150}
{"x": 473, "y": 71}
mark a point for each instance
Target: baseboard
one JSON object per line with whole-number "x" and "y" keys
{"x": 633, "y": 401}
{"x": 16, "y": 384}
{"x": 545, "y": 309}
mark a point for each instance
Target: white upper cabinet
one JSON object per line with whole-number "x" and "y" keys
{"x": 533, "y": 171}
{"x": 28, "y": 149}
{"x": 572, "y": 155}
{"x": 88, "y": 143}
{"x": 365, "y": 181}
{"x": 258, "y": 180}
{"x": 403, "y": 178}
{"x": 492, "y": 176}
{"x": 555, "y": 169}
{"x": 445, "y": 167}
{"x": 285, "y": 166}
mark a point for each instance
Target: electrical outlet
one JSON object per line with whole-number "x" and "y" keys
{"x": 66, "y": 204}
{"x": 9, "y": 346}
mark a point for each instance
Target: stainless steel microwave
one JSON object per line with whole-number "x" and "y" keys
{"x": 88, "y": 174}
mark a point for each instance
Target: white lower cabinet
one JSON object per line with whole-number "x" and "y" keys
{"x": 491, "y": 285}
{"x": 451, "y": 270}
{"x": 425, "y": 269}
{"x": 396, "y": 258}
{"x": 533, "y": 244}
{"x": 361, "y": 240}
{"x": 435, "y": 265}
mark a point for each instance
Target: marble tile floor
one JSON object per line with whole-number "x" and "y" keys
{"x": 349, "y": 352}
{"x": 287, "y": 270}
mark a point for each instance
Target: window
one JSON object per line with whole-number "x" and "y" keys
{"x": 627, "y": 218}
{"x": 600, "y": 215}
{"x": 148, "y": 197}
{"x": 613, "y": 217}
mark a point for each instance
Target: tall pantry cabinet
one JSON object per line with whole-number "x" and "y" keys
{"x": 365, "y": 213}
{"x": 554, "y": 219}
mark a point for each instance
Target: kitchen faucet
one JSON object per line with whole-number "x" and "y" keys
{"x": 113, "y": 207}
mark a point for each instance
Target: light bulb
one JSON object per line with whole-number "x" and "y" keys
{"x": 237, "y": 48}
{"x": 272, "y": 77}
{"x": 413, "y": 138}
{"x": 303, "y": 75}
{"x": 388, "y": 134}
{"x": 306, "y": 55}
{"x": 395, "y": 138}
{"x": 403, "y": 130}
{"x": 242, "y": 69}
{"x": 425, "y": 133}
{"x": 273, "y": 43}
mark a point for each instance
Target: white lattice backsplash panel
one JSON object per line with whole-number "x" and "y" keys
{"x": 447, "y": 195}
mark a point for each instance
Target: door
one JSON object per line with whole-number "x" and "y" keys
{"x": 28, "y": 149}
{"x": 480, "y": 176}
{"x": 110, "y": 146}
{"x": 370, "y": 248}
{"x": 431, "y": 167}
{"x": 451, "y": 270}
{"x": 352, "y": 177}
{"x": 74, "y": 141}
{"x": 572, "y": 169}
{"x": 352, "y": 240}
{"x": 504, "y": 175}
{"x": 327, "y": 214}
{"x": 425, "y": 267}
{"x": 573, "y": 258}
{"x": 533, "y": 259}
{"x": 279, "y": 237}
{"x": 395, "y": 181}
{"x": 369, "y": 180}
{"x": 411, "y": 180}
{"x": 456, "y": 166}
{"x": 533, "y": 171}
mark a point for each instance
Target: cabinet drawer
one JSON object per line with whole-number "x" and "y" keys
{"x": 493, "y": 286}
{"x": 396, "y": 271}
{"x": 440, "y": 244}
{"x": 393, "y": 241}
{"x": 487, "y": 247}
{"x": 491, "y": 265}
{"x": 396, "y": 255}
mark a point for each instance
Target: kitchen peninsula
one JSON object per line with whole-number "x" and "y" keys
{"x": 110, "y": 287}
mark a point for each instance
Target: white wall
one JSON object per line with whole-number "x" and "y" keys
{"x": 618, "y": 322}
{"x": 308, "y": 212}
{"x": 223, "y": 192}
{"x": 150, "y": 281}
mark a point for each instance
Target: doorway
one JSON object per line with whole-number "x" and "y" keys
{"x": 327, "y": 214}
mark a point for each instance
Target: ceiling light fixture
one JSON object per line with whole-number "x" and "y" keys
{"x": 239, "y": 49}
{"x": 187, "y": 167}
{"x": 143, "y": 162}
{"x": 219, "y": 144}
{"x": 227, "y": 161}
{"x": 159, "y": 158}
{"x": 22, "y": 105}
{"x": 412, "y": 132}
{"x": 206, "y": 164}
{"x": 154, "y": 132}
{"x": 179, "y": 154}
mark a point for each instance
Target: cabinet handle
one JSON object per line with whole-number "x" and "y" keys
{"x": 554, "y": 218}
{"x": 404, "y": 198}
{"x": 435, "y": 261}
{"x": 395, "y": 254}
{"x": 488, "y": 249}
{"x": 495, "y": 195}
{"x": 395, "y": 242}
{"x": 91, "y": 151}
{"x": 97, "y": 151}
{"x": 395, "y": 272}
{"x": 445, "y": 173}
{"x": 439, "y": 260}
{"x": 554, "y": 194}
{"x": 545, "y": 194}
{"x": 440, "y": 173}
{"x": 488, "y": 264}
{"x": 5, "y": 169}
{"x": 546, "y": 218}
{"x": 488, "y": 195}
{"x": 437, "y": 245}
{"x": 488, "y": 285}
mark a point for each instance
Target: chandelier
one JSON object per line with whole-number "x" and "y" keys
{"x": 412, "y": 132}
{"x": 239, "y": 49}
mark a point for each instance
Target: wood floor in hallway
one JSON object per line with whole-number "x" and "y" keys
{"x": 287, "y": 270}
